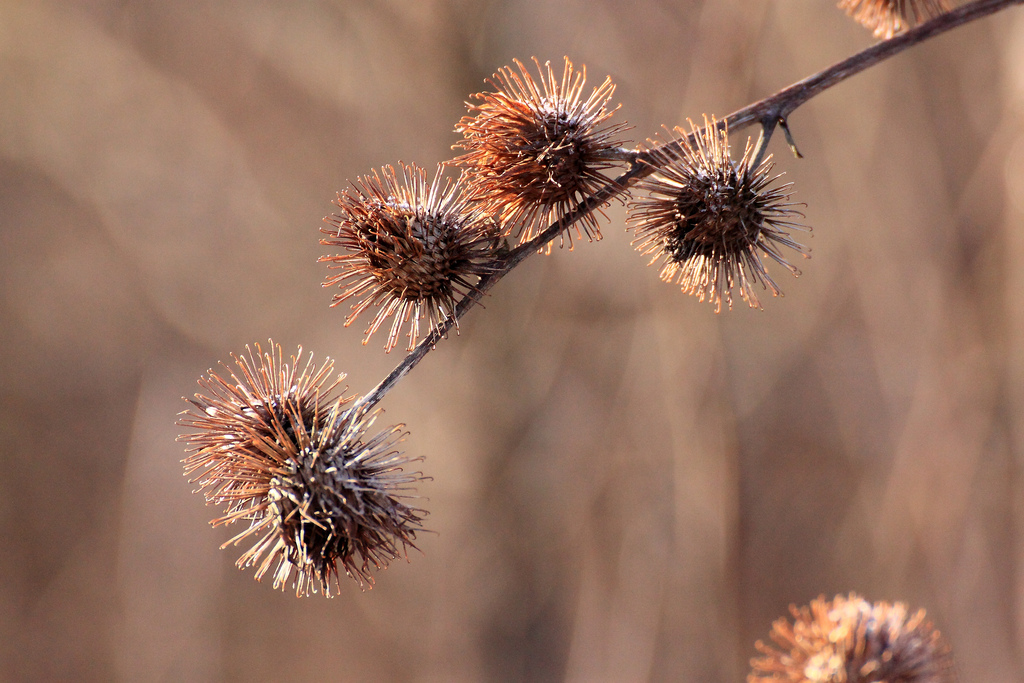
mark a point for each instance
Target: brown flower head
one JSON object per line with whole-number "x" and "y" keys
{"x": 889, "y": 17}
{"x": 278, "y": 449}
{"x": 849, "y": 640}
{"x": 412, "y": 249}
{"x": 710, "y": 218}
{"x": 535, "y": 150}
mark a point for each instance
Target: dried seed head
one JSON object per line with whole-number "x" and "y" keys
{"x": 281, "y": 453}
{"x": 889, "y": 17}
{"x": 849, "y": 640}
{"x": 535, "y": 150}
{"x": 710, "y": 218}
{"x": 412, "y": 249}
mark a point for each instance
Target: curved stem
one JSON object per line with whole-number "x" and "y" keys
{"x": 767, "y": 128}
{"x": 769, "y": 112}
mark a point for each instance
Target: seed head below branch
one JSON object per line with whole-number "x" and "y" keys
{"x": 279, "y": 450}
{"x": 710, "y": 218}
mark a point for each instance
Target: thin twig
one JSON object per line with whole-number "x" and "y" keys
{"x": 768, "y": 112}
{"x": 762, "y": 142}
{"x": 789, "y": 139}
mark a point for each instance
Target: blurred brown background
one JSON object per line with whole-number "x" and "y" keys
{"x": 626, "y": 487}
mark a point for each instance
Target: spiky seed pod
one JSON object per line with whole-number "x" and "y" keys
{"x": 276, "y": 446}
{"x": 412, "y": 249}
{"x": 849, "y": 640}
{"x": 710, "y": 219}
{"x": 886, "y": 18}
{"x": 534, "y": 150}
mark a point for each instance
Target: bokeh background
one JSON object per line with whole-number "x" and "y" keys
{"x": 626, "y": 486}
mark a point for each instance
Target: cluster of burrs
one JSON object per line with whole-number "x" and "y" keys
{"x": 536, "y": 149}
{"x": 281, "y": 451}
{"x": 278, "y": 451}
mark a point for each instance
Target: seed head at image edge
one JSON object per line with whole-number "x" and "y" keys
{"x": 850, "y": 640}
{"x": 886, "y": 18}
